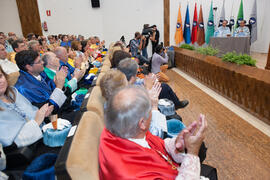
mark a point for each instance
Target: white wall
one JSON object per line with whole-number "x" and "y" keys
{"x": 123, "y": 17}
{"x": 231, "y": 8}
{"x": 10, "y": 21}
{"x": 113, "y": 19}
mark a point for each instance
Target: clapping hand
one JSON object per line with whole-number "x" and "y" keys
{"x": 154, "y": 93}
{"x": 191, "y": 138}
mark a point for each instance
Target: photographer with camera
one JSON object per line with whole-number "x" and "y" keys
{"x": 136, "y": 45}
{"x": 154, "y": 38}
{"x": 146, "y": 32}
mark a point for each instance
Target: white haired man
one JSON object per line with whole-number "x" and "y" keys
{"x": 129, "y": 151}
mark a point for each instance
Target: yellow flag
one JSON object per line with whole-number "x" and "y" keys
{"x": 179, "y": 32}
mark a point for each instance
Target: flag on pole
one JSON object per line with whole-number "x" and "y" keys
{"x": 210, "y": 25}
{"x": 222, "y": 14}
{"x": 194, "y": 26}
{"x": 201, "y": 35}
{"x": 240, "y": 15}
{"x": 253, "y": 22}
{"x": 178, "y": 37}
{"x": 187, "y": 27}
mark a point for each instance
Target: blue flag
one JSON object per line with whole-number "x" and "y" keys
{"x": 187, "y": 36}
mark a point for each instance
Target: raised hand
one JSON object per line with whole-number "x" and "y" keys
{"x": 78, "y": 74}
{"x": 193, "y": 139}
{"x": 154, "y": 93}
{"x": 41, "y": 113}
{"x": 60, "y": 76}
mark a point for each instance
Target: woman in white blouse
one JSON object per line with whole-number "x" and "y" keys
{"x": 20, "y": 120}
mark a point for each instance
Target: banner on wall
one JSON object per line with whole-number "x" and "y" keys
{"x": 194, "y": 26}
{"x": 178, "y": 37}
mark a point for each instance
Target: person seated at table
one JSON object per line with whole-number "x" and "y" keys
{"x": 20, "y": 120}
{"x": 223, "y": 31}
{"x": 128, "y": 150}
{"x": 242, "y": 30}
{"x": 158, "y": 66}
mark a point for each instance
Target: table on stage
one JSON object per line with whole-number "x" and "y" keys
{"x": 230, "y": 44}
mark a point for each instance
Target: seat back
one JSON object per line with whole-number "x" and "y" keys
{"x": 82, "y": 162}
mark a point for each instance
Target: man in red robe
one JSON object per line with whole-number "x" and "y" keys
{"x": 129, "y": 151}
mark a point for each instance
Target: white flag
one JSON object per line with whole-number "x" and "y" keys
{"x": 253, "y": 22}
{"x": 222, "y": 14}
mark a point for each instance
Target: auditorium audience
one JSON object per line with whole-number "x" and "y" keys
{"x": 135, "y": 151}
{"x": 20, "y": 120}
{"x": 8, "y": 66}
{"x": 158, "y": 65}
{"x": 242, "y": 30}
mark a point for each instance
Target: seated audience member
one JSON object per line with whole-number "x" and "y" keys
{"x": 128, "y": 150}
{"x": 34, "y": 46}
{"x": 52, "y": 65}
{"x": 65, "y": 41}
{"x": 8, "y": 66}
{"x": 115, "y": 79}
{"x": 159, "y": 58}
{"x": 223, "y": 31}
{"x": 12, "y": 35}
{"x": 136, "y": 46}
{"x": 34, "y": 84}
{"x": 52, "y": 43}
{"x": 20, "y": 120}
{"x": 18, "y": 46}
{"x": 31, "y": 36}
{"x": 242, "y": 30}
{"x": 62, "y": 54}
{"x": 5, "y": 43}
{"x": 129, "y": 67}
{"x": 43, "y": 44}
{"x": 77, "y": 47}
{"x": 119, "y": 55}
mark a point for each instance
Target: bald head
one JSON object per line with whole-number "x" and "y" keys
{"x": 126, "y": 108}
{"x": 61, "y": 53}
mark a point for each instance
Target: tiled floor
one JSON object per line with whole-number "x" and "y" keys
{"x": 236, "y": 148}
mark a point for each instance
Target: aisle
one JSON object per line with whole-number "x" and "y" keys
{"x": 235, "y": 148}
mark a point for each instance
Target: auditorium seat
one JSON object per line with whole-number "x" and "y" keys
{"x": 99, "y": 78}
{"x": 96, "y": 102}
{"x": 105, "y": 68}
{"x": 82, "y": 161}
{"x": 12, "y": 78}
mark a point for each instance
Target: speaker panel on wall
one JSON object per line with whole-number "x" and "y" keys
{"x": 95, "y": 3}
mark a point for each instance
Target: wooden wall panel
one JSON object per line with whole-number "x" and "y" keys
{"x": 166, "y": 22}
{"x": 29, "y": 16}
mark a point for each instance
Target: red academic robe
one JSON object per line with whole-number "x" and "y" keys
{"x": 123, "y": 159}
